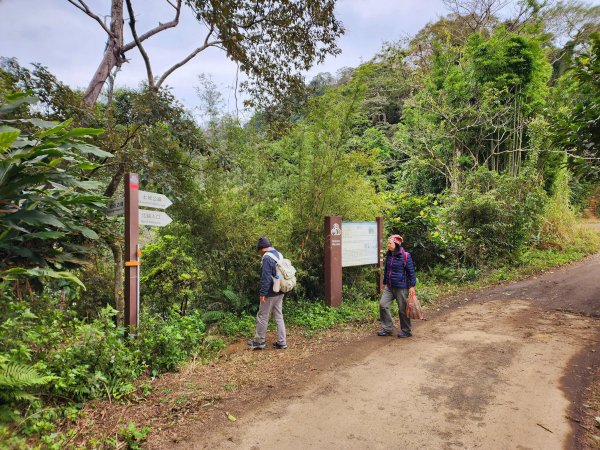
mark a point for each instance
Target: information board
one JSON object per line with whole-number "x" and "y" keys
{"x": 359, "y": 243}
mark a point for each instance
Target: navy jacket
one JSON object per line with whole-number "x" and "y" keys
{"x": 395, "y": 274}
{"x": 267, "y": 272}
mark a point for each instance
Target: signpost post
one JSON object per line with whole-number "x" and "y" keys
{"x": 379, "y": 276}
{"x": 134, "y": 217}
{"x": 333, "y": 260}
{"x": 132, "y": 263}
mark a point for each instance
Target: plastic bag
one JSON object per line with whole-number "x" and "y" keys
{"x": 413, "y": 308}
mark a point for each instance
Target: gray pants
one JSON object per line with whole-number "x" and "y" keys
{"x": 387, "y": 296}
{"x": 273, "y": 304}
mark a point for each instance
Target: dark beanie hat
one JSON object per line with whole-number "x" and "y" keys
{"x": 263, "y": 242}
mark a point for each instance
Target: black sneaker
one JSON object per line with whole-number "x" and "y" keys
{"x": 404, "y": 334}
{"x": 256, "y": 345}
{"x": 279, "y": 346}
{"x": 383, "y": 332}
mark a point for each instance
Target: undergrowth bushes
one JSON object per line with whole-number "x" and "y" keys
{"x": 74, "y": 360}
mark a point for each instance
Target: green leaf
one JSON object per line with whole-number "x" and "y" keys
{"x": 92, "y": 150}
{"x": 57, "y": 129}
{"x": 8, "y": 136}
{"x": 81, "y": 132}
{"x": 44, "y": 235}
{"x": 87, "y": 232}
{"x": 45, "y": 124}
{"x": 18, "y": 273}
{"x": 55, "y": 162}
{"x": 19, "y": 251}
{"x": 87, "y": 165}
{"x": 33, "y": 217}
{"x": 13, "y": 101}
{"x": 96, "y": 200}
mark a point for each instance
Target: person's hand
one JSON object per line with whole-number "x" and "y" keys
{"x": 262, "y": 299}
{"x": 411, "y": 291}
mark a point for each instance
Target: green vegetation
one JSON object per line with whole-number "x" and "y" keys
{"x": 478, "y": 142}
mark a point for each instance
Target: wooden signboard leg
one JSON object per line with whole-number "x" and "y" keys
{"x": 333, "y": 260}
{"x": 131, "y": 250}
{"x": 379, "y": 279}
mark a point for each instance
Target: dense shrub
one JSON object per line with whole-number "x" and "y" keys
{"x": 83, "y": 360}
{"x": 171, "y": 278}
{"x": 418, "y": 220}
{"x": 237, "y": 325}
{"x": 164, "y": 344}
{"x": 497, "y": 214}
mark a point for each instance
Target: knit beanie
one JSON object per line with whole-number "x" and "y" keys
{"x": 263, "y": 242}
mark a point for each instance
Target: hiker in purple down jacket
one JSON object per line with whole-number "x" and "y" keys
{"x": 399, "y": 280}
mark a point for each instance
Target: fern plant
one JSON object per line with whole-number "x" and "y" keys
{"x": 15, "y": 382}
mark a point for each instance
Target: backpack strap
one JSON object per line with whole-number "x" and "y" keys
{"x": 277, "y": 259}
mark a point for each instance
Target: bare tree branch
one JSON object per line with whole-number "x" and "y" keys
{"x": 189, "y": 57}
{"x": 158, "y": 29}
{"x": 139, "y": 44}
{"x": 80, "y": 4}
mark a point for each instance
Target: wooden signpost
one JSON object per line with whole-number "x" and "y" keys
{"x": 134, "y": 217}
{"x": 350, "y": 244}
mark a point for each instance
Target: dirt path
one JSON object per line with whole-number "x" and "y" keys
{"x": 504, "y": 368}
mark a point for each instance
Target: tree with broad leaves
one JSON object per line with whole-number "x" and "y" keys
{"x": 577, "y": 123}
{"x": 271, "y": 40}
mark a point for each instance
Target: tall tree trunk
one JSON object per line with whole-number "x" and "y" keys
{"x": 118, "y": 286}
{"x": 455, "y": 169}
{"x": 113, "y": 54}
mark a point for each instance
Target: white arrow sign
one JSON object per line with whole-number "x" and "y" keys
{"x": 154, "y": 218}
{"x": 153, "y": 200}
{"x": 115, "y": 208}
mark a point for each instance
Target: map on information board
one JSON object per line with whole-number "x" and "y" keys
{"x": 359, "y": 243}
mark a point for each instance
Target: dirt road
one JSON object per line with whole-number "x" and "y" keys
{"x": 503, "y": 368}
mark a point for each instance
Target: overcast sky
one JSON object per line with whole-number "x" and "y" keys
{"x": 70, "y": 44}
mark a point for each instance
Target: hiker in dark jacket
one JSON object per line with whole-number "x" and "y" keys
{"x": 270, "y": 301}
{"x": 399, "y": 280}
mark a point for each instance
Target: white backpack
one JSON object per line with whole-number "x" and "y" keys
{"x": 286, "y": 272}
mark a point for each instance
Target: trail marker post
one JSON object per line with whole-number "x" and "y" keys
{"x": 134, "y": 217}
{"x": 379, "y": 275}
{"x": 132, "y": 262}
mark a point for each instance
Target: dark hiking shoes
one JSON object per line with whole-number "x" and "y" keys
{"x": 382, "y": 332}
{"x": 404, "y": 334}
{"x": 256, "y": 345}
{"x": 279, "y": 346}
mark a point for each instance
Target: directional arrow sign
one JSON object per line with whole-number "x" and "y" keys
{"x": 154, "y": 218}
{"x": 153, "y": 200}
{"x": 115, "y": 208}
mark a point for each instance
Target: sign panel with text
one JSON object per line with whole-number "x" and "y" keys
{"x": 154, "y": 200}
{"x": 115, "y": 208}
{"x": 154, "y": 218}
{"x": 359, "y": 243}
